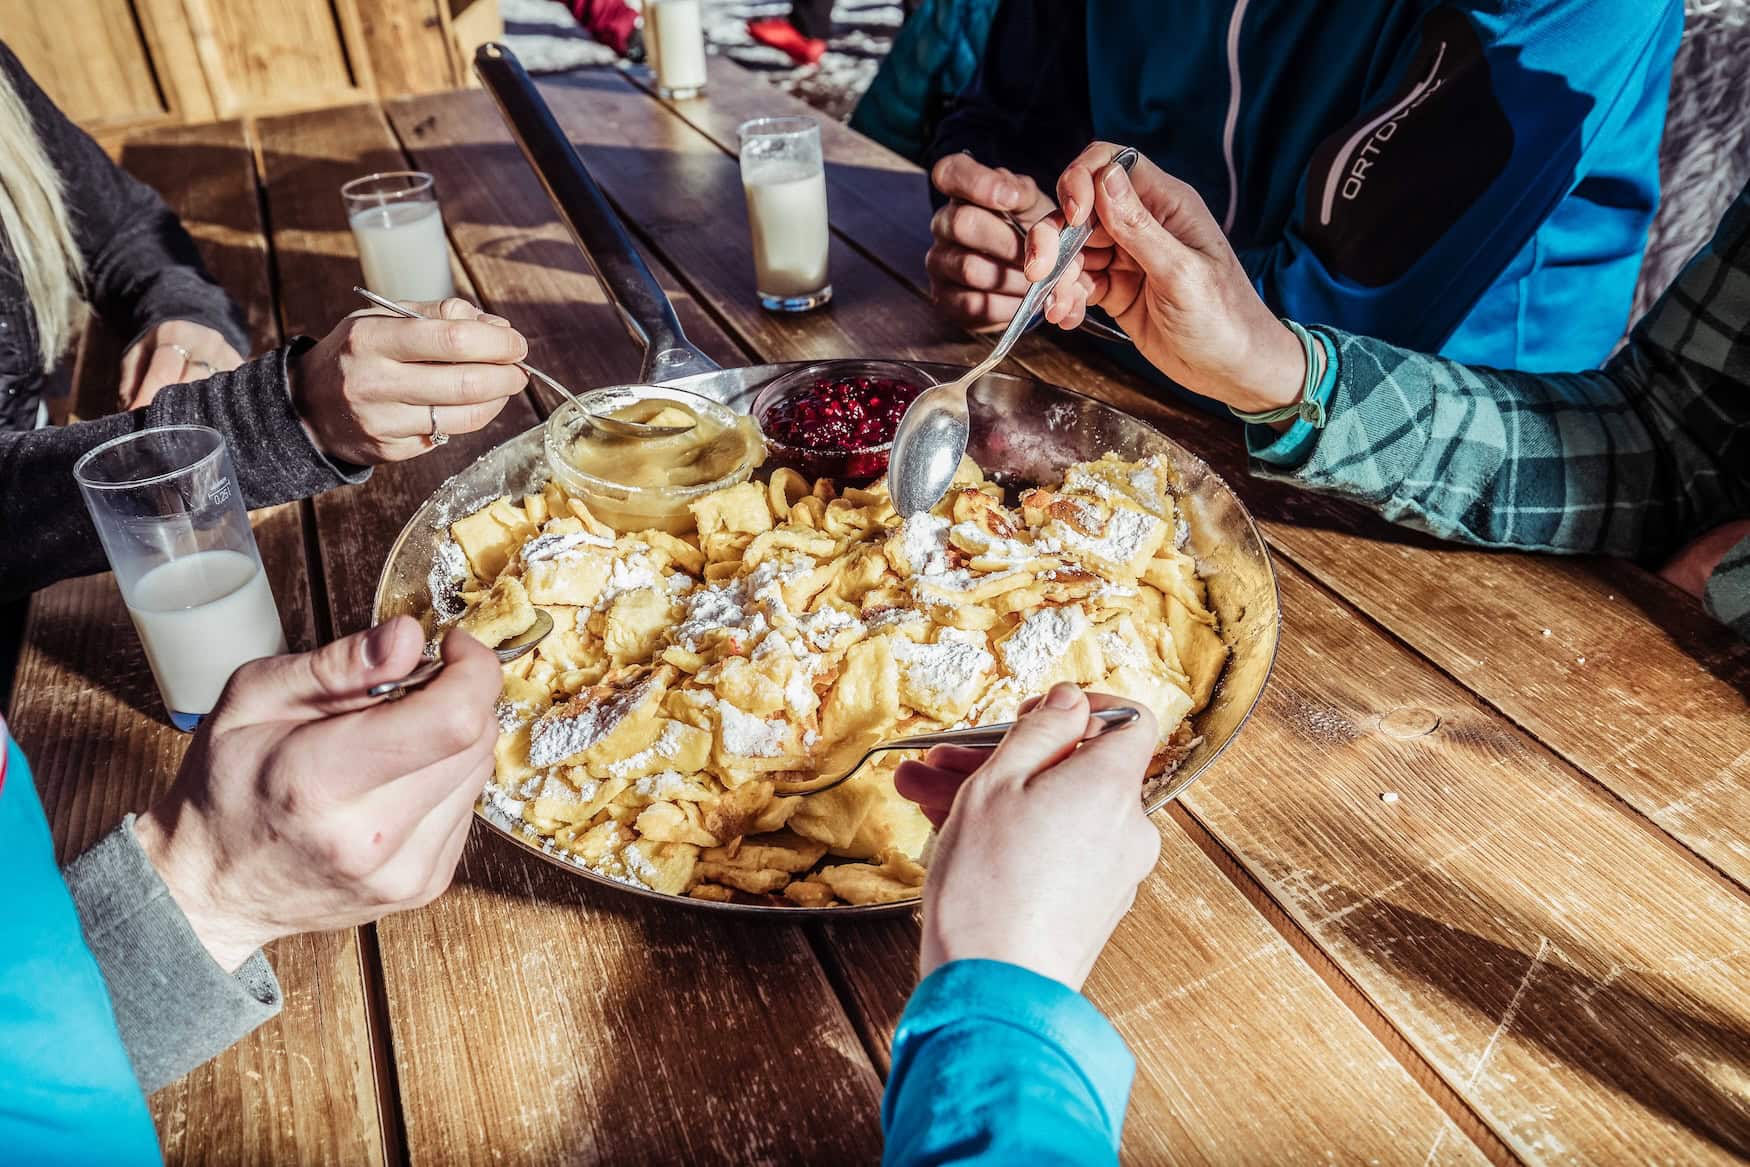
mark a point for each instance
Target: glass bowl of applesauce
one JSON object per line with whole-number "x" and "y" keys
{"x": 639, "y": 484}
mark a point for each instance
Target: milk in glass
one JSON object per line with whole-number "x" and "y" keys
{"x": 675, "y": 35}
{"x": 200, "y": 618}
{"x": 403, "y": 250}
{"x": 786, "y": 211}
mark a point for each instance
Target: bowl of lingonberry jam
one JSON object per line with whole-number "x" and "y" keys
{"x": 837, "y": 419}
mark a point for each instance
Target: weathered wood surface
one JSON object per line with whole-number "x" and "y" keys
{"x": 1598, "y": 689}
{"x": 87, "y": 713}
{"x": 1544, "y": 862}
{"x": 549, "y": 1024}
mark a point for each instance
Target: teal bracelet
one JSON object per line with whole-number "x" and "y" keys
{"x": 1310, "y": 406}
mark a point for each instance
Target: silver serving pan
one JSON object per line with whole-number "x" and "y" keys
{"x": 1024, "y": 431}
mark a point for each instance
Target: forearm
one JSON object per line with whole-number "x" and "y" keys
{"x": 44, "y": 525}
{"x": 141, "y": 267}
{"x": 995, "y": 1064}
{"x": 174, "y": 1006}
{"x": 1580, "y": 463}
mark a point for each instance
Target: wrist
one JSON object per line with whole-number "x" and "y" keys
{"x": 297, "y": 390}
{"x": 187, "y": 867}
{"x": 1272, "y": 375}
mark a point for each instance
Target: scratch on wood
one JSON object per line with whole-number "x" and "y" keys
{"x": 1507, "y": 1019}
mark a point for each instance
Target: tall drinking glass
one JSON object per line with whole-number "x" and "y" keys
{"x": 674, "y": 36}
{"x": 785, "y": 184}
{"x": 400, "y": 233}
{"x": 166, "y": 505}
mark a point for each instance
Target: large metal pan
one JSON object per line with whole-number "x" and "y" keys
{"x": 1023, "y": 431}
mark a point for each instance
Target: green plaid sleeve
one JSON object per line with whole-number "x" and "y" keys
{"x": 1633, "y": 459}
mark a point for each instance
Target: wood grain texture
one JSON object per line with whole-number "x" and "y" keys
{"x": 408, "y": 43}
{"x": 1554, "y": 849}
{"x": 536, "y": 1018}
{"x": 684, "y": 197}
{"x": 521, "y": 257}
{"x": 1193, "y": 920}
{"x": 1599, "y": 689}
{"x": 87, "y": 712}
{"x": 59, "y": 45}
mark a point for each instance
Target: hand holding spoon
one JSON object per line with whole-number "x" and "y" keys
{"x": 933, "y": 433}
{"x": 510, "y": 650}
{"x": 612, "y": 425}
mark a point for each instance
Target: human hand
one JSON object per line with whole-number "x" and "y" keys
{"x": 1690, "y": 568}
{"x": 1042, "y": 843}
{"x": 172, "y": 353}
{"x": 304, "y": 806}
{"x": 974, "y": 263}
{"x": 369, "y": 391}
{"x": 1159, "y": 264}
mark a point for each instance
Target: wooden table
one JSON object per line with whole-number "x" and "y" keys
{"x": 1539, "y": 952}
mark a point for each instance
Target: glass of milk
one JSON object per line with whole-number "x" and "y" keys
{"x": 674, "y": 38}
{"x": 400, "y": 234}
{"x": 785, "y": 184}
{"x": 166, "y": 505}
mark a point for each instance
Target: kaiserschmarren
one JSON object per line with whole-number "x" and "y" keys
{"x": 686, "y": 674}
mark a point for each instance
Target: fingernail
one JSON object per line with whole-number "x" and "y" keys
{"x": 1009, "y": 193}
{"x": 1062, "y": 697}
{"x": 378, "y": 641}
{"x": 1115, "y": 180}
{"x": 1069, "y": 210}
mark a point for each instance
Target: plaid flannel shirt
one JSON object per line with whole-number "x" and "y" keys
{"x": 1633, "y": 459}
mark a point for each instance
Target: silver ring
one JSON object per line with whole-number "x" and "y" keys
{"x": 187, "y": 357}
{"x": 437, "y": 437}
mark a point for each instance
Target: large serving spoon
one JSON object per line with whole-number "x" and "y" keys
{"x": 506, "y": 652}
{"x": 933, "y": 433}
{"x": 610, "y": 425}
{"x": 978, "y": 737}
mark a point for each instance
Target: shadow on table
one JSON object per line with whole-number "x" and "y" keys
{"x": 1640, "y": 1034}
{"x": 691, "y": 1007}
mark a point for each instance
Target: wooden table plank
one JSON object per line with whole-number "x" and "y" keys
{"x": 520, "y": 256}
{"x": 1620, "y": 644}
{"x": 88, "y": 714}
{"x": 550, "y": 1022}
{"x": 1569, "y": 893}
{"x": 1381, "y": 1110}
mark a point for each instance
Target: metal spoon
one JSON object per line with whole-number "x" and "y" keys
{"x": 933, "y": 433}
{"x": 510, "y": 650}
{"x": 611, "y": 425}
{"x": 978, "y": 737}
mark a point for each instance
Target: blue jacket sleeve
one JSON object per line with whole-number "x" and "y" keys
{"x": 1491, "y": 198}
{"x": 993, "y": 1064}
{"x": 67, "y": 1091}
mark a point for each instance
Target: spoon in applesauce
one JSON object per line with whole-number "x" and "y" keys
{"x": 612, "y": 425}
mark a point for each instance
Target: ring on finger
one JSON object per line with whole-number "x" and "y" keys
{"x": 437, "y": 437}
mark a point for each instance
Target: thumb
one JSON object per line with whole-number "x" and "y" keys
{"x": 1134, "y": 228}
{"x": 1043, "y": 736}
{"x": 333, "y": 679}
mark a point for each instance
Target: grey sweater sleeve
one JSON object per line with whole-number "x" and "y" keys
{"x": 175, "y": 1007}
{"x": 44, "y": 526}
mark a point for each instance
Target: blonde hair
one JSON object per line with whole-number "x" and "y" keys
{"x": 37, "y": 230}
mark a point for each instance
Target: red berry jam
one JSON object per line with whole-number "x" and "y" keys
{"x": 835, "y": 425}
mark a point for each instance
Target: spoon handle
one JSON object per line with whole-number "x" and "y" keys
{"x": 990, "y": 735}
{"x": 1069, "y": 245}
{"x": 389, "y": 305}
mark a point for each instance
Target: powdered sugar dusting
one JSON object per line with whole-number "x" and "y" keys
{"x": 953, "y": 671}
{"x": 1037, "y": 642}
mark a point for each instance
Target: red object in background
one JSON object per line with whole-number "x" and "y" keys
{"x": 609, "y": 21}
{"x": 778, "y": 33}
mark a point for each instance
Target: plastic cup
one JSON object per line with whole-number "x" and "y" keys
{"x": 167, "y": 508}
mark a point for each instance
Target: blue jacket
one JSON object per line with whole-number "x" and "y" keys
{"x": 1470, "y": 178}
{"x": 67, "y": 1091}
{"x": 934, "y": 56}
{"x": 991, "y": 1064}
